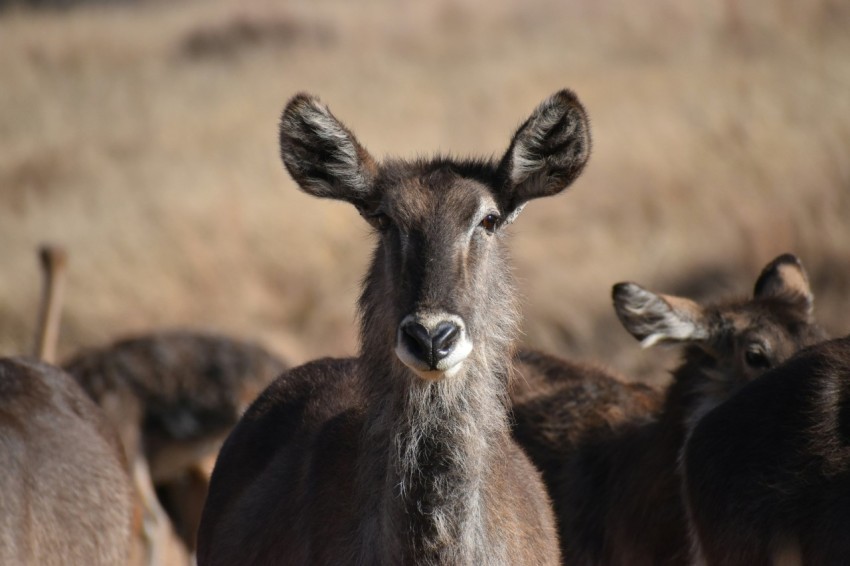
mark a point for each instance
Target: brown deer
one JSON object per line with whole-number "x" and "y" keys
{"x": 153, "y": 541}
{"x": 65, "y": 492}
{"x": 609, "y": 450}
{"x": 402, "y": 455}
{"x": 175, "y": 394}
{"x": 172, "y": 397}
{"x": 767, "y": 473}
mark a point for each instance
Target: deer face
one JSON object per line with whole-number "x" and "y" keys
{"x": 439, "y": 285}
{"x": 731, "y": 343}
{"x": 438, "y": 239}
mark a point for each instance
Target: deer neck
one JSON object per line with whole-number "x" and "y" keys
{"x": 426, "y": 462}
{"x": 648, "y": 462}
{"x": 699, "y": 385}
{"x": 669, "y": 428}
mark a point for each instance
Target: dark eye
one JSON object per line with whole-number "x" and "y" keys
{"x": 380, "y": 221}
{"x": 757, "y": 359}
{"x": 490, "y": 222}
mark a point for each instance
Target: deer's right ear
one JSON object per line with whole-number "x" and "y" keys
{"x": 322, "y": 155}
{"x": 546, "y": 154}
{"x": 653, "y": 318}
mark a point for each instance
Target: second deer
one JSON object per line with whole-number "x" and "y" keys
{"x": 609, "y": 450}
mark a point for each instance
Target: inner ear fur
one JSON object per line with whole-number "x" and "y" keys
{"x": 547, "y": 152}
{"x": 322, "y": 155}
{"x": 785, "y": 279}
{"x": 654, "y": 318}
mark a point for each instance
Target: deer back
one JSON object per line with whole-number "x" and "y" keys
{"x": 65, "y": 492}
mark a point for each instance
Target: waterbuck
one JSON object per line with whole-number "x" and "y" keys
{"x": 609, "y": 450}
{"x": 402, "y": 455}
{"x": 172, "y": 397}
{"x": 65, "y": 492}
{"x": 767, "y": 473}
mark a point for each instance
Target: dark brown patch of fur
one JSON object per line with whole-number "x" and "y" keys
{"x": 769, "y": 469}
{"x": 173, "y": 397}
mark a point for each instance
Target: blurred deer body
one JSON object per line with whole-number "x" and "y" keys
{"x": 609, "y": 450}
{"x": 173, "y": 397}
{"x": 65, "y": 490}
{"x": 404, "y": 454}
{"x": 767, "y": 473}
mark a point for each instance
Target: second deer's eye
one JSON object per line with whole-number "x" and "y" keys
{"x": 490, "y": 222}
{"x": 757, "y": 359}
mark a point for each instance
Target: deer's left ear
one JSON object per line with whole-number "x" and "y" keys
{"x": 546, "y": 154}
{"x": 785, "y": 279}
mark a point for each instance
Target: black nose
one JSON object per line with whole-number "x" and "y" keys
{"x": 430, "y": 347}
{"x": 443, "y": 340}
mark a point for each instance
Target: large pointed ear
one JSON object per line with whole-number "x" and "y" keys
{"x": 322, "y": 155}
{"x": 785, "y": 279}
{"x": 546, "y": 154}
{"x": 653, "y": 318}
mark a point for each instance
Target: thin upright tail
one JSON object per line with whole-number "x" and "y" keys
{"x": 54, "y": 260}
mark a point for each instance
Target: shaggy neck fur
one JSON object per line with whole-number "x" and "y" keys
{"x": 429, "y": 446}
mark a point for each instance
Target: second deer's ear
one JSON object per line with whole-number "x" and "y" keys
{"x": 785, "y": 279}
{"x": 654, "y": 318}
{"x": 322, "y": 155}
{"x": 547, "y": 152}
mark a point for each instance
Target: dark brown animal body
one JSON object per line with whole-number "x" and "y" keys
{"x": 65, "y": 492}
{"x": 609, "y": 450}
{"x": 767, "y": 473}
{"x": 181, "y": 391}
{"x": 402, "y": 455}
{"x": 173, "y": 397}
{"x": 558, "y": 403}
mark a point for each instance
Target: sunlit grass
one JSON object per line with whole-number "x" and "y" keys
{"x": 721, "y": 139}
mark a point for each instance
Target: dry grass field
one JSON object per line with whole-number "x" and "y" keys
{"x": 142, "y": 136}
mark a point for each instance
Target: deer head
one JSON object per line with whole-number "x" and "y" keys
{"x": 439, "y": 288}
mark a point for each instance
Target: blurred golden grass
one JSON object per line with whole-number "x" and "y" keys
{"x": 721, "y": 137}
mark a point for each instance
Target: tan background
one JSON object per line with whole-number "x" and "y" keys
{"x": 142, "y": 136}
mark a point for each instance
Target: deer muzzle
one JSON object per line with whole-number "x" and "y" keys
{"x": 433, "y": 345}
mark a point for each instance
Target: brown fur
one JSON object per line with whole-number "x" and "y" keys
{"x": 609, "y": 450}
{"x": 402, "y": 455}
{"x": 173, "y": 397}
{"x": 65, "y": 491}
{"x": 767, "y": 473}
